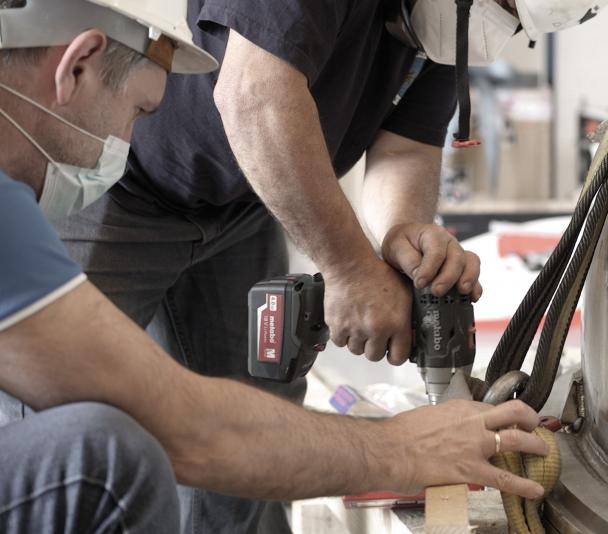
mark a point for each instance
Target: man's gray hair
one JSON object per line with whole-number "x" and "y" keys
{"x": 118, "y": 61}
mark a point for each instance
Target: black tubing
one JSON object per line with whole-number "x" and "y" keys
{"x": 520, "y": 332}
{"x": 550, "y": 347}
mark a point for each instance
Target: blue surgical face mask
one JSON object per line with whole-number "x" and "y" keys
{"x": 69, "y": 189}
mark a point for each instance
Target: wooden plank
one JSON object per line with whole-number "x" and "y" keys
{"x": 447, "y": 510}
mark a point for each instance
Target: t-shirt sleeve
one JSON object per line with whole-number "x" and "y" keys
{"x": 35, "y": 269}
{"x": 300, "y": 32}
{"x": 427, "y": 108}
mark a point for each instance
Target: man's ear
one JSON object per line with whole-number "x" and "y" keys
{"x": 82, "y": 57}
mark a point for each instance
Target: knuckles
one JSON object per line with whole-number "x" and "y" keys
{"x": 374, "y": 357}
{"x": 519, "y": 410}
{"x": 504, "y": 480}
{"x": 471, "y": 256}
{"x": 512, "y": 438}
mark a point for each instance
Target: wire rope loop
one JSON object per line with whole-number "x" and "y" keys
{"x": 507, "y": 387}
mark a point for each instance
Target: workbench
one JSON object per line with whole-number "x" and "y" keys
{"x": 328, "y": 516}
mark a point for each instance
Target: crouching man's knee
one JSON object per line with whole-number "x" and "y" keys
{"x": 103, "y": 449}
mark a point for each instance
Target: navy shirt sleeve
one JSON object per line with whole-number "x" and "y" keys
{"x": 427, "y": 108}
{"x": 35, "y": 268}
{"x": 302, "y": 33}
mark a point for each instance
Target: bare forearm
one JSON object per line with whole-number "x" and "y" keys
{"x": 401, "y": 184}
{"x": 224, "y": 436}
{"x": 273, "y": 126}
{"x": 219, "y": 434}
{"x": 268, "y": 448}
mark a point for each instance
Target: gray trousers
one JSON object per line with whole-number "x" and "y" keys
{"x": 186, "y": 279}
{"x": 83, "y": 469}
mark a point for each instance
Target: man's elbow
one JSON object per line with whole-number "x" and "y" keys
{"x": 238, "y": 97}
{"x": 249, "y": 95}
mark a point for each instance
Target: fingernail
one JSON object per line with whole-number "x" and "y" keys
{"x": 415, "y": 271}
{"x": 540, "y": 493}
{"x": 421, "y": 283}
{"x": 467, "y": 287}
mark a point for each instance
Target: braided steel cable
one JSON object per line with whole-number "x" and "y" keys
{"x": 563, "y": 306}
{"x": 519, "y": 334}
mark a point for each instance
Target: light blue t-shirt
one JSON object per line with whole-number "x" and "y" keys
{"x": 35, "y": 268}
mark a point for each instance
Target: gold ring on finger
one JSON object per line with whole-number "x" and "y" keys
{"x": 497, "y": 440}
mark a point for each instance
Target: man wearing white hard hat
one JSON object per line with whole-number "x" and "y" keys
{"x": 305, "y": 89}
{"x": 74, "y": 76}
{"x": 117, "y": 420}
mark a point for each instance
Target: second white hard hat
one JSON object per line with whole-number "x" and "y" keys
{"x": 547, "y": 16}
{"x": 155, "y": 28}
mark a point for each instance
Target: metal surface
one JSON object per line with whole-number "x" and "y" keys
{"x": 595, "y": 344}
{"x": 579, "y": 505}
{"x": 437, "y": 380}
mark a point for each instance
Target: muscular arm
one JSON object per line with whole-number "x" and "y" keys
{"x": 224, "y": 436}
{"x": 219, "y": 434}
{"x": 273, "y": 126}
{"x": 400, "y": 194}
{"x": 401, "y": 183}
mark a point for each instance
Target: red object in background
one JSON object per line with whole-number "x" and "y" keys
{"x": 501, "y": 324}
{"x": 523, "y": 244}
{"x": 590, "y": 126}
{"x": 550, "y": 423}
{"x": 465, "y": 143}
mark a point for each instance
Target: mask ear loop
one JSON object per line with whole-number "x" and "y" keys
{"x": 26, "y": 134}
{"x": 462, "y": 138}
{"x": 51, "y": 113}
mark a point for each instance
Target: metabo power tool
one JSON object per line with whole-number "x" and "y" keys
{"x": 444, "y": 338}
{"x": 287, "y": 330}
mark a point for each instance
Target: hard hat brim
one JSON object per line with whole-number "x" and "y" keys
{"x": 526, "y": 20}
{"x": 188, "y": 58}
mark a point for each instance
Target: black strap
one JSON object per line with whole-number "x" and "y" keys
{"x": 463, "y": 13}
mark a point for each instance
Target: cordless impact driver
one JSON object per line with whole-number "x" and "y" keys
{"x": 287, "y": 330}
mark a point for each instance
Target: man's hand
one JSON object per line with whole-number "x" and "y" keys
{"x": 452, "y": 443}
{"x": 430, "y": 255}
{"x": 369, "y": 310}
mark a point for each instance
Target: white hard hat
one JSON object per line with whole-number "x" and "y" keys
{"x": 156, "y": 28}
{"x": 546, "y": 16}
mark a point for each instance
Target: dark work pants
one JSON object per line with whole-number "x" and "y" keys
{"x": 84, "y": 469}
{"x": 186, "y": 279}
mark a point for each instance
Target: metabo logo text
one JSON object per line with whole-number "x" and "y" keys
{"x": 432, "y": 320}
{"x": 272, "y": 330}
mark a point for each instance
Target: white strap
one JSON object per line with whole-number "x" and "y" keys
{"x": 51, "y": 113}
{"x": 27, "y": 135}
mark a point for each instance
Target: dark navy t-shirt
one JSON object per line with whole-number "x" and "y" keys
{"x": 181, "y": 157}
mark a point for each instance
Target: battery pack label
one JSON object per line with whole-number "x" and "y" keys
{"x": 270, "y": 328}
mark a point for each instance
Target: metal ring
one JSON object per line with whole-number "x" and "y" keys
{"x": 497, "y": 439}
{"x": 506, "y": 387}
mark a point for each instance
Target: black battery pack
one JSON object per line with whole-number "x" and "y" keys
{"x": 286, "y": 326}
